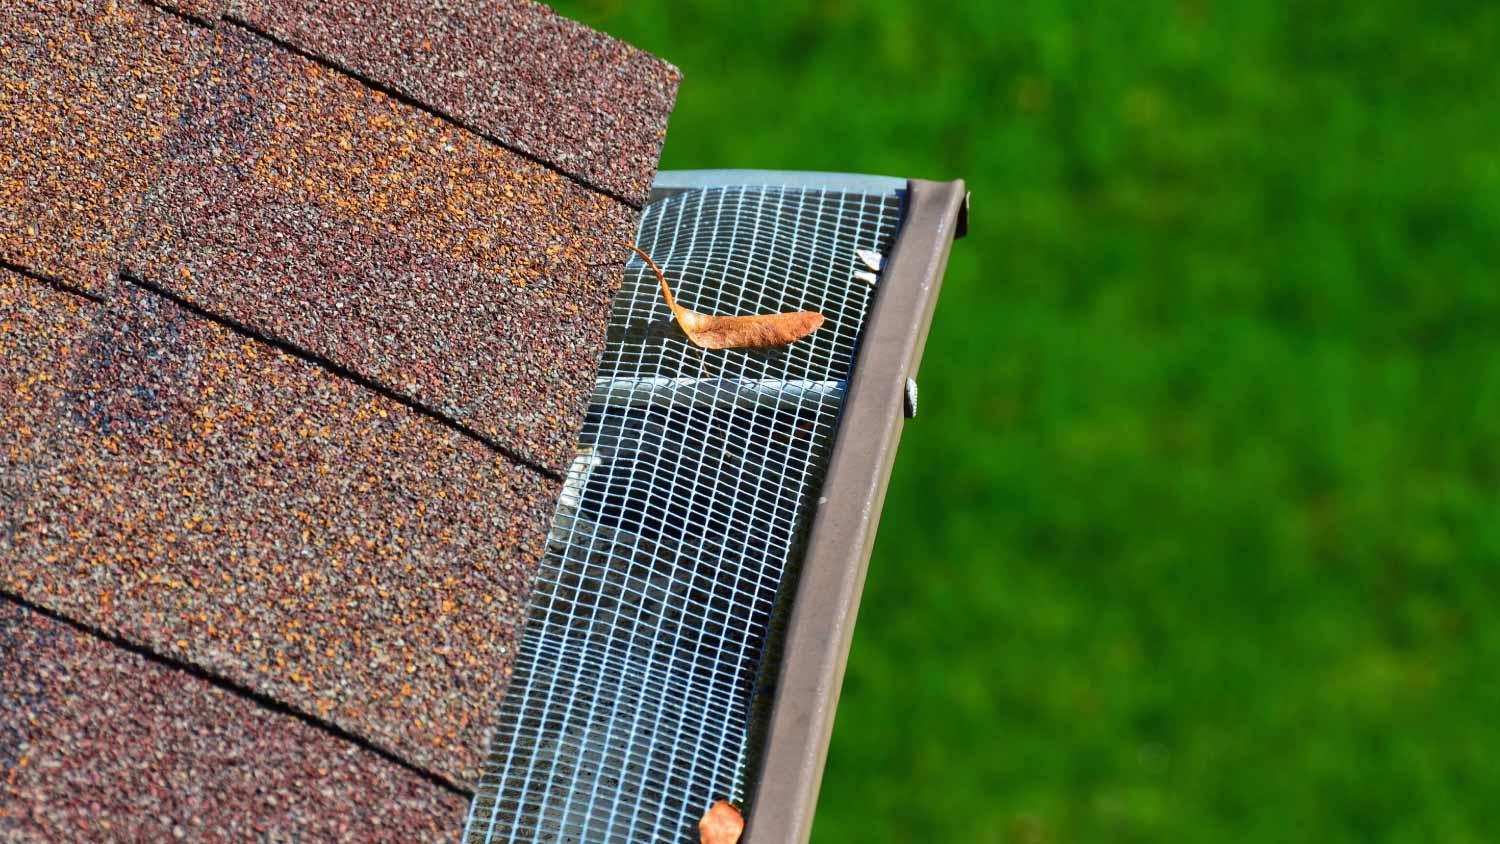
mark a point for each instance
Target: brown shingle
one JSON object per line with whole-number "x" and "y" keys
{"x": 100, "y": 744}
{"x": 377, "y": 236}
{"x": 206, "y": 12}
{"x": 300, "y": 566}
{"x": 237, "y": 508}
{"x": 42, "y": 331}
{"x": 89, "y": 90}
{"x": 515, "y": 70}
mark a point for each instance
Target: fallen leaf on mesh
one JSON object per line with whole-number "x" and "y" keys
{"x": 722, "y": 824}
{"x": 762, "y": 331}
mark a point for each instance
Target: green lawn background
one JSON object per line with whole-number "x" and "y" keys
{"x": 1196, "y": 537}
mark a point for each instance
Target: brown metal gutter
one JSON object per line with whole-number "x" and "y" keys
{"x": 821, "y": 624}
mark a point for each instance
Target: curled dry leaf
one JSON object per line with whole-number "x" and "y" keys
{"x": 721, "y": 825}
{"x": 735, "y": 332}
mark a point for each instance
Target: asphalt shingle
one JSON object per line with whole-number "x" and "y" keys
{"x": 101, "y": 744}
{"x": 89, "y": 91}
{"x": 515, "y": 70}
{"x": 336, "y": 218}
{"x": 241, "y": 509}
{"x": 206, "y": 12}
{"x": 297, "y": 351}
{"x": 42, "y": 332}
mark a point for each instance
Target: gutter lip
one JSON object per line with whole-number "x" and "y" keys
{"x": 820, "y": 625}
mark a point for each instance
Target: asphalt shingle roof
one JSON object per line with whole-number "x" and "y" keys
{"x": 42, "y": 333}
{"x": 513, "y": 70}
{"x": 89, "y": 92}
{"x": 417, "y": 254}
{"x": 234, "y": 507}
{"x": 101, "y": 744}
{"x": 298, "y": 323}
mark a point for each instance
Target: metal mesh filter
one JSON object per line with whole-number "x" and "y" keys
{"x": 643, "y": 670}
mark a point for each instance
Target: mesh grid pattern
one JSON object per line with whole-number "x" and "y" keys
{"x": 642, "y": 670}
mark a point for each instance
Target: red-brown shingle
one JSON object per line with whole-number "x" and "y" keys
{"x": 100, "y": 744}
{"x": 237, "y": 508}
{"x": 206, "y": 12}
{"x": 89, "y": 91}
{"x": 294, "y": 557}
{"x": 42, "y": 332}
{"x": 423, "y": 257}
{"x": 515, "y": 70}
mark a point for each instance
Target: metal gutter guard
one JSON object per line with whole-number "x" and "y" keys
{"x": 688, "y": 634}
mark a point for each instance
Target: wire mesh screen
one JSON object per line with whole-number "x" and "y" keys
{"x": 643, "y": 668}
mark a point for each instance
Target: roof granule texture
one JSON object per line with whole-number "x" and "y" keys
{"x": 591, "y": 105}
{"x": 237, "y": 508}
{"x": 100, "y": 744}
{"x": 340, "y": 220}
{"x": 206, "y": 11}
{"x": 89, "y": 91}
{"x": 294, "y": 557}
{"x": 42, "y": 332}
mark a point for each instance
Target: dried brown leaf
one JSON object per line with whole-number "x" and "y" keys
{"x": 761, "y": 331}
{"x": 721, "y": 825}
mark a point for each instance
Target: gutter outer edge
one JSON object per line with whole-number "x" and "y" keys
{"x": 821, "y": 624}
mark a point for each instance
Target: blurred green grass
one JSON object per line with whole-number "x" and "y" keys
{"x": 1196, "y": 538}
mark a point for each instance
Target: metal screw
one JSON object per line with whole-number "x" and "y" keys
{"x": 911, "y": 398}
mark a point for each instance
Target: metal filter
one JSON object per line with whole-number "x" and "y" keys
{"x": 648, "y": 668}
